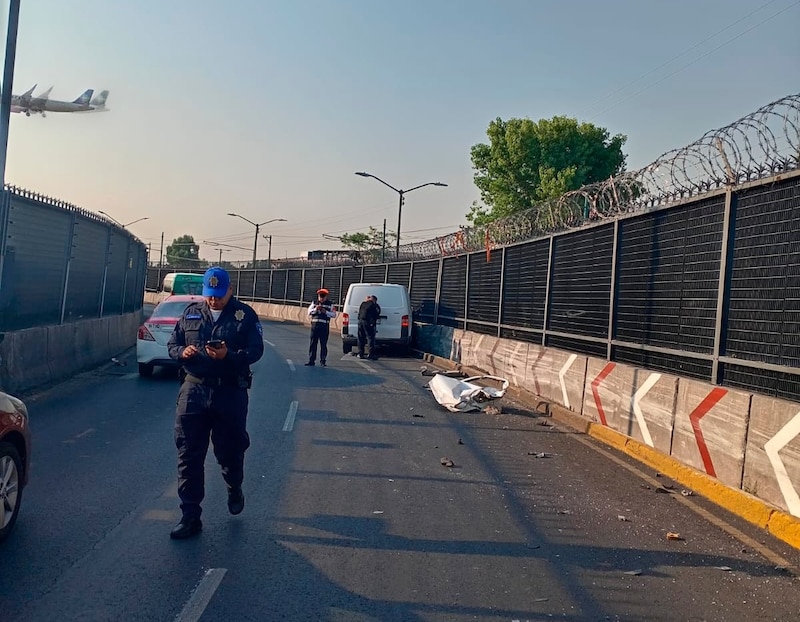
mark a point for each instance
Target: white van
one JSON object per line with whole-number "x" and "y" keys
{"x": 394, "y": 325}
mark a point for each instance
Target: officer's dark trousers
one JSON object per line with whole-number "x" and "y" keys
{"x": 366, "y": 333}
{"x": 319, "y": 335}
{"x": 218, "y": 413}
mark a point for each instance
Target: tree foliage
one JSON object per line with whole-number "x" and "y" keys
{"x": 370, "y": 240}
{"x": 184, "y": 252}
{"x": 528, "y": 162}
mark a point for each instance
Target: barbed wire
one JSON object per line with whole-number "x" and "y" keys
{"x": 762, "y": 144}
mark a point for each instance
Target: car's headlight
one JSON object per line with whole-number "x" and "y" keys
{"x": 19, "y": 405}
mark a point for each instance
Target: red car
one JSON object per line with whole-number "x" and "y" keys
{"x": 154, "y": 334}
{"x": 15, "y": 457}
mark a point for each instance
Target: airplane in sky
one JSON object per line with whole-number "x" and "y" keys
{"x": 42, "y": 104}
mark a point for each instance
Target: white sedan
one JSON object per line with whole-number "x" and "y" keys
{"x": 154, "y": 334}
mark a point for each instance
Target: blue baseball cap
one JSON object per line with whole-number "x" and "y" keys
{"x": 216, "y": 282}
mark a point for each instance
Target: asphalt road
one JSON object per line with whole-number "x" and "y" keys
{"x": 351, "y": 516}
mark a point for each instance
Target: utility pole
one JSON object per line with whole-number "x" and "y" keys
{"x": 269, "y": 252}
{"x": 220, "y": 257}
{"x": 161, "y": 257}
{"x": 383, "y": 250}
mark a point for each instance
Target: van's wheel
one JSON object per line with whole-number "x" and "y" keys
{"x": 145, "y": 369}
{"x": 347, "y": 348}
{"x": 10, "y": 491}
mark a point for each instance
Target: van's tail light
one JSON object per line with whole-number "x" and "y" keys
{"x": 404, "y": 322}
{"x": 345, "y": 319}
{"x": 144, "y": 334}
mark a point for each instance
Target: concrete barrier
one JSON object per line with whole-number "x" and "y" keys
{"x": 772, "y": 456}
{"x": 636, "y": 402}
{"x": 711, "y": 430}
{"x": 38, "y": 356}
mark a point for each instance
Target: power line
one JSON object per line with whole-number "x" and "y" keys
{"x": 698, "y": 59}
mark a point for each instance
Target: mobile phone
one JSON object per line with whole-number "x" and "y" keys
{"x": 214, "y": 343}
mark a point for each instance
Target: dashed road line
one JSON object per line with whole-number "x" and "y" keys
{"x": 269, "y": 343}
{"x": 291, "y": 365}
{"x": 201, "y": 596}
{"x": 290, "y": 417}
{"x": 369, "y": 368}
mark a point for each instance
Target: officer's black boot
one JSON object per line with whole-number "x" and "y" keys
{"x": 235, "y": 501}
{"x": 188, "y": 527}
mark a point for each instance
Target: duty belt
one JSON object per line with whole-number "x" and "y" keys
{"x": 213, "y": 382}
{"x": 324, "y": 321}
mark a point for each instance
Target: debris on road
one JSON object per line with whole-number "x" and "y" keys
{"x": 116, "y": 361}
{"x": 540, "y": 454}
{"x": 447, "y": 462}
{"x": 466, "y": 395}
{"x": 565, "y": 512}
{"x": 724, "y": 568}
{"x": 673, "y": 536}
{"x": 634, "y": 573}
{"x": 687, "y": 493}
{"x": 378, "y": 512}
{"x": 623, "y": 519}
{"x": 492, "y": 410}
{"x": 460, "y": 442}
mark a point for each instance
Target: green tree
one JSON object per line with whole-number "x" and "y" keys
{"x": 528, "y": 162}
{"x": 370, "y": 240}
{"x": 184, "y": 252}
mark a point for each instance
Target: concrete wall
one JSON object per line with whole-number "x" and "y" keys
{"x": 38, "y": 356}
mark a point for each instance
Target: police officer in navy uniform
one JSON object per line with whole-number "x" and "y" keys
{"x": 321, "y": 312}
{"x": 215, "y": 341}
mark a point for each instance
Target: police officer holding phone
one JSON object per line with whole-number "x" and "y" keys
{"x": 215, "y": 342}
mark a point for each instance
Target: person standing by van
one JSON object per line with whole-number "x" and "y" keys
{"x": 368, "y": 314}
{"x": 321, "y": 312}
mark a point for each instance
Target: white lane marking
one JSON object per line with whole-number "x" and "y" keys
{"x": 637, "y": 409}
{"x": 198, "y": 601}
{"x": 369, "y": 368}
{"x": 784, "y": 436}
{"x": 290, "y": 416}
{"x": 561, "y": 375}
{"x": 291, "y": 365}
{"x": 269, "y": 343}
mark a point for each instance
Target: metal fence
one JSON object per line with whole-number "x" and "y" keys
{"x": 707, "y": 288}
{"x": 60, "y": 263}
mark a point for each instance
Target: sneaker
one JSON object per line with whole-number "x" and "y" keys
{"x": 309, "y": 364}
{"x": 322, "y": 363}
{"x": 235, "y": 501}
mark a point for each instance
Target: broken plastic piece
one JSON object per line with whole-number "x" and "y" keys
{"x": 673, "y": 536}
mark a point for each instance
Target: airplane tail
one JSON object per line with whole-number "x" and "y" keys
{"x": 29, "y": 92}
{"x": 84, "y": 99}
{"x": 100, "y": 100}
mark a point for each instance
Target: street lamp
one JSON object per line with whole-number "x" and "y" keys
{"x": 258, "y": 227}
{"x": 133, "y": 222}
{"x": 401, "y": 193}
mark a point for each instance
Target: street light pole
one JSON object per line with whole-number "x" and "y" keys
{"x": 8, "y": 85}
{"x": 402, "y": 194}
{"x": 133, "y": 222}
{"x": 258, "y": 228}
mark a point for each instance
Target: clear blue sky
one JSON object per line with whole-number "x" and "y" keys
{"x": 267, "y": 108}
